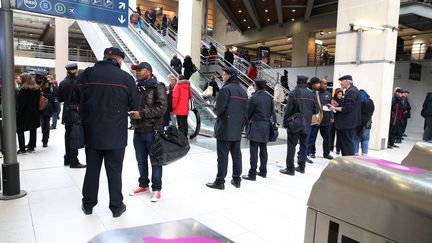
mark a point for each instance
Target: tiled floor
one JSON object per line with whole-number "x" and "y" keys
{"x": 268, "y": 210}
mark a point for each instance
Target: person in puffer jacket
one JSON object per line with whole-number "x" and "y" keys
{"x": 180, "y": 103}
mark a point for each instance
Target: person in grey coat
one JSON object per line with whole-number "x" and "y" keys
{"x": 260, "y": 115}
{"x": 231, "y": 107}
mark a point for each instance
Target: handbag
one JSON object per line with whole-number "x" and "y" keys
{"x": 296, "y": 122}
{"x": 77, "y": 139}
{"x": 43, "y": 102}
{"x": 168, "y": 146}
{"x": 208, "y": 92}
{"x": 317, "y": 118}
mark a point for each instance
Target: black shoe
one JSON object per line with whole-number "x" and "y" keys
{"x": 235, "y": 183}
{"x": 328, "y": 156}
{"x": 298, "y": 169}
{"x": 52, "y": 128}
{"x": 21, "y": 151}
{"x": 337, "y": 152}
{"x": 404, "y": 135}
{"x": 216, "y": 186}
{"x": 395, "y": 146}
{"x": 120, "y": 212}
{"x": 398, "y": 141}
{"x": 312, "y": 155}
{"x": 263, "y": 175}
{"x": 287, "y": 171}
{"x": 309, "y": 161}
{"x": 249, "y": 177}
{"x": 30, "y": 150}
{"x": 86, "y": 211}
{"x": 77, "y": 165}
{"x": 45, "y": 145}
{"x": 389, "y": 146}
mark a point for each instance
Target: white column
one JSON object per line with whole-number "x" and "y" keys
{"x": 189, "y": 29}
{"x": 375, "y": 73}
{"x": 61, "y": 47}
{"x": 303, "y": 47}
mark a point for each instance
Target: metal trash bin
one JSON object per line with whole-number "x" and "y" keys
{"x": 420, "y": 156}
{"x": 368, "y": 200}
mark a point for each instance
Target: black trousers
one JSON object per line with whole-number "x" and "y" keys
{"x": 346, "y": 138}
{"x": 333, "y": 138}
{"x": 404, "y": 126}
{"x": 45, "y": 126}
{"x": 182, "y": 124}
{"x": 253, "y": 150}
{"x": 325, "y": 134}
{"x": 293, "y": 139}
{"x": 113, "y": 166}
{"x": 71, "y": 154}
{"x": 21, "y": 139}
{"x": 223, "y": 148}
{"x": 427, "y": 134}
{"x": 394, "y": 132}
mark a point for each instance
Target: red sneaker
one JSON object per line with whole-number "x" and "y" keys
{"x": 155, "y": 196}
{"x": 138, "y": 191}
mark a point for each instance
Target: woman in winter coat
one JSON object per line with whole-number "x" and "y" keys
{"x": 427, "y": 114}
{"x": 180, "y": 102}
{"x": 189, "y": 67}
{"x": 45, "y": 115}
{"x": 27, "y": 116}
{"x": 176, "y": 64}
{"x": 337, "y": 97}
{"x": 259, "y": 115}
{"x": 252, "y": 72}
{"x": 363, "y": 133}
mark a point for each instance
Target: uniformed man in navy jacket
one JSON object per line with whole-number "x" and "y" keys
{"x": 107, "y": 94}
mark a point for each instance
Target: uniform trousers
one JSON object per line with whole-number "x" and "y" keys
{"x": 294, "y": 138}
{"x": 71, "y": 154}
{"x": 427, "y": 134}
{"x": 223, "y": 148}
{"x": 346, "y": 138}
{"x": 45, "y": 126}
{"x": 113, "y": 166}
{"x": 253, "y": 150}
{"x": 325, "y": 134}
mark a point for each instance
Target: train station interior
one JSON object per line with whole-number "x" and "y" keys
{"x": 385, "y": 196}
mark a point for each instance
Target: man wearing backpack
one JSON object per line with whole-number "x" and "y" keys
{"x": 145, "y": 121}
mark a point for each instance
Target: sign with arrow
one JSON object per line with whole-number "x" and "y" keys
{"x": 111, "y": 12}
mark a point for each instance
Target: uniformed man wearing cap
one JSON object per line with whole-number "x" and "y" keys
{"x": 66, "y": 94}
{"x": 107, "y": 94}
{"x": 300, "y": 100}
{"x": 231, "y": 107}
{"x": 348, "y": 115}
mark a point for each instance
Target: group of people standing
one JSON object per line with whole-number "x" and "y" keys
{"x": 188, "y": 66}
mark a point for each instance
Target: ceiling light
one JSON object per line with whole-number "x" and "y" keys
{"x": 30, "y": 34}
{"x": 289, "y": 38}
{"x": 240, "y": 11}
{"x": 248, "y": 27}
{"x": 266, "y": 10}
{"x": 293, "y": 10}
{"x": 244, "y": 20}
{"x": 413, "y": 36}
{"x": 292, "y": 19}
{"x": 268, "y": 20}
{"x": 329, "y": 32}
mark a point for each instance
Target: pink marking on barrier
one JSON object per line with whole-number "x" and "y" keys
{"x": 395, "y": 166}
{"x": 180, "y": 240}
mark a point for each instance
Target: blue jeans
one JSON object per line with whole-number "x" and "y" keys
{"x": 364, "y": 140}
{"x": 142, "y": 143}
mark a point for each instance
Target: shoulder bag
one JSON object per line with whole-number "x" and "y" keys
{"x": 168, "y": 146}
{"x": 296, "y": 122}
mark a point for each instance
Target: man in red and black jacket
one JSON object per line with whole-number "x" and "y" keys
{"x": 396, "y": 119}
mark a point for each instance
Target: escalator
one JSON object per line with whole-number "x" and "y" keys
{"x": 136, "y": 50}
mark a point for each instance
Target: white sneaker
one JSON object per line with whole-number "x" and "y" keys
{"x": 138, "y": 191}
{"x": 156, "y": 196}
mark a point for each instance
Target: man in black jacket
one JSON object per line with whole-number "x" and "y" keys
{"x": 229, "y": 56}
{"x": 66, "y": 94}
{"x": 427, "y": 114}
{"x": 107, "y": 93}
{"x": 406, "y": 113}
{"x": 303, "y": 101}
{"x": 147, "y": 120}
{"x": 231, "y": 108}
{"x": 396, "y": 119}
{"x": 284, "y": 80}
{"x": 348, "y": 116}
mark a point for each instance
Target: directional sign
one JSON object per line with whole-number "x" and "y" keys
{"x": 112, "y": 12}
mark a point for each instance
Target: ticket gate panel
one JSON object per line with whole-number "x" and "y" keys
{"x": 420, "y": 156}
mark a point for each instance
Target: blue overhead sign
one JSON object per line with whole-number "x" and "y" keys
{"x": 111, "y": 12}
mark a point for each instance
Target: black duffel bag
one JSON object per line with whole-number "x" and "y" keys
{"x": 168, "y": 146}
{"x": 77, "y": 139}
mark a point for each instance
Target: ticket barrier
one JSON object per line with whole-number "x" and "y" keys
{"x": 420, "y": 156}
{"x": 368, "y": 200}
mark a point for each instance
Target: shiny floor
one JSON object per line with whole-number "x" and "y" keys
{"x": 267, "y": 210}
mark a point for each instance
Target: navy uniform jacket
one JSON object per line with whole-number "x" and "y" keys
{"x": 260, "y": 111}
{"x": 231, "y": 107}
{"x": 304, "y": 101}
{"x": 325, "y": 98}
{"x": 66, "y": 91}
{"x": 350, "y": 116}
{"x": 107, "y": 93}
